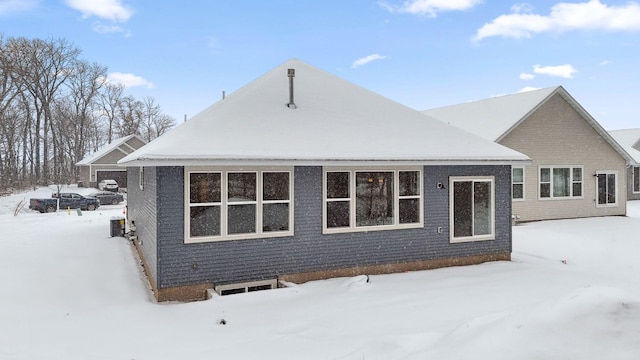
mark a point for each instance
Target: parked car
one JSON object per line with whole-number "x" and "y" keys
{"x": 66, "y": 200}
{"x": 108, "y": 197}
{"x": 108, "y": 185}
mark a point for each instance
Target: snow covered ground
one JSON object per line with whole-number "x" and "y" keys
{"x": 70, "y": 291}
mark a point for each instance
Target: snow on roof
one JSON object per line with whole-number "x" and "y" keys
{"x": 492, "y": 118}
{"x": 334, "y": 120}
{"x": 628, "y": 139}
{"x": 106, "y": 149}
{"x": 495, "y": 117}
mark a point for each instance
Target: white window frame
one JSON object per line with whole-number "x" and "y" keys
{"x": 607, "y": 172}
{"x": 523, "y": 198}
{"x": 550, "y": 182}
{"x": 635, "y": 173}
{"x": 483, "y": 237}
{"x": 224, "y": 204}
{"x": 352, "y": 200}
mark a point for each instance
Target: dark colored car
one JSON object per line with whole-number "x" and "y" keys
{"x": 108, "y": 197}
{"x": 65, "y": 200}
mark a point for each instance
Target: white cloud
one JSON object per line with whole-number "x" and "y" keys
{"x": 430, "y": 7}
{"x": 525, "y": 76}
{"x": 112, "y": 10}
{"x": 591, "y": 15}
{"x": 605, "y": 63}
{"x": 129, "y": 80}
{"x": 528, "y": 88}
{"x": 366, "y": 60}
{"x": 522, "y": 8}
{"x": 109, "y": 29}
{"x": 565, "y": 71}
{"x": 14, "y": 6}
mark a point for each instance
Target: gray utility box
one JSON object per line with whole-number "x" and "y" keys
{"x": 117, "y": 226}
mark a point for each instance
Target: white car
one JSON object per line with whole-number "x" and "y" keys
{"x": 108, "y": 185}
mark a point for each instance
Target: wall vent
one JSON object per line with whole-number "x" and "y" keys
{"x": 291, "y": 73}
{"x": 239, "y": 288}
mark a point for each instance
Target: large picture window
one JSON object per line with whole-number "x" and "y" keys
{"x": 636, "y": 179}
{"x": 560, "y": 182}
{"x": 517, "y": 183}
{"x": 607, "y": 188}
{"x": 227, "y": 204}
{"x": 370, "y": 200}
{"x": 472, "y": 208}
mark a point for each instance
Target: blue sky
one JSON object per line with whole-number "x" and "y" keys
{"x": 421, "y": 53}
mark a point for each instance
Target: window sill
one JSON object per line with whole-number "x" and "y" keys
{"x": 561, "y": 198}
{"x": 344, "y": 230}
{"x": 472, "y": 239}
{"x": 237, "y": 237}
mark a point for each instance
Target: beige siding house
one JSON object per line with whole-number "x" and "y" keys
{"x": 103, "y": 163}
{"x": 629, "y": 139}
{"x": 577, "y": 168}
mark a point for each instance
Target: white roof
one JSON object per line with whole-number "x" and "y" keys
{"x": 335, "y": 121}
{"x": 628, "y": 139}
{"x": 107, "y": 149}
{"x": 495, "y": 117}
{"x": 492, "y": 118}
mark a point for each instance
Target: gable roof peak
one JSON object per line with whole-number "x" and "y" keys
{"x": 493, "y": 117}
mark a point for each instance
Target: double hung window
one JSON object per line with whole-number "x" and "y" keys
{"x": 369, "y": 200}
{"x": 636, "y": 179}
{"x": 517, "y": 183}
{"x": 560, "y": 182}
{"x": 472, "y": 208}
{"x": 227, "y": 204}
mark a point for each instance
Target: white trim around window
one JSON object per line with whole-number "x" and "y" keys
{"x": 471, "y": 208}
{"x": 233, "y": 204}
{"x": 635, "y": 180}
{"x": 518, "y": 183}
{"x": 371, "y": 199}
{"x": 560, "y": 182}
{"x": 606, "y": 188}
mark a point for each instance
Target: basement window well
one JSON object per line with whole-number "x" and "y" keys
{"x": 239, "y": 288}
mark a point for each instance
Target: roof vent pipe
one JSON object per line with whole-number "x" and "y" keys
{"x": 291, "y": 73}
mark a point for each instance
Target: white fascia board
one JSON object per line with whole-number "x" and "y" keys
{"x": 320, "y": 162}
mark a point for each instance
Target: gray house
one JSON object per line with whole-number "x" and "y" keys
{"x": 629, "y": 139}
{"x": 576, "y": 168}
{"x": 103, "y": 164}
{"x": 301, "y": 175}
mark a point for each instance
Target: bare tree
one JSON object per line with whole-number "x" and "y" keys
{"x": 130, "y": 112}
{"x": 42, "y": 67}
{"x": 154, "y": 123}
{"x": 55, "y": 108}
{"x": 12, "y": 122}
{"x": 84, "y": 90}
{"x": 110, "y": 98}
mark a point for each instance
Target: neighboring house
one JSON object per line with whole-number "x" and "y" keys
{"x": 629, "y": 139}
{"x": 577, "y": 168}
{"x": 301, "y": 175}
{"x": 102, "y": 164}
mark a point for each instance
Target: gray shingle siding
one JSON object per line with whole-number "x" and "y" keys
{"x": 310, "y": 250}
{"x": 143, "y": 209}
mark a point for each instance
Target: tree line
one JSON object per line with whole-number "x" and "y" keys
{"x": 55, "y": 108}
